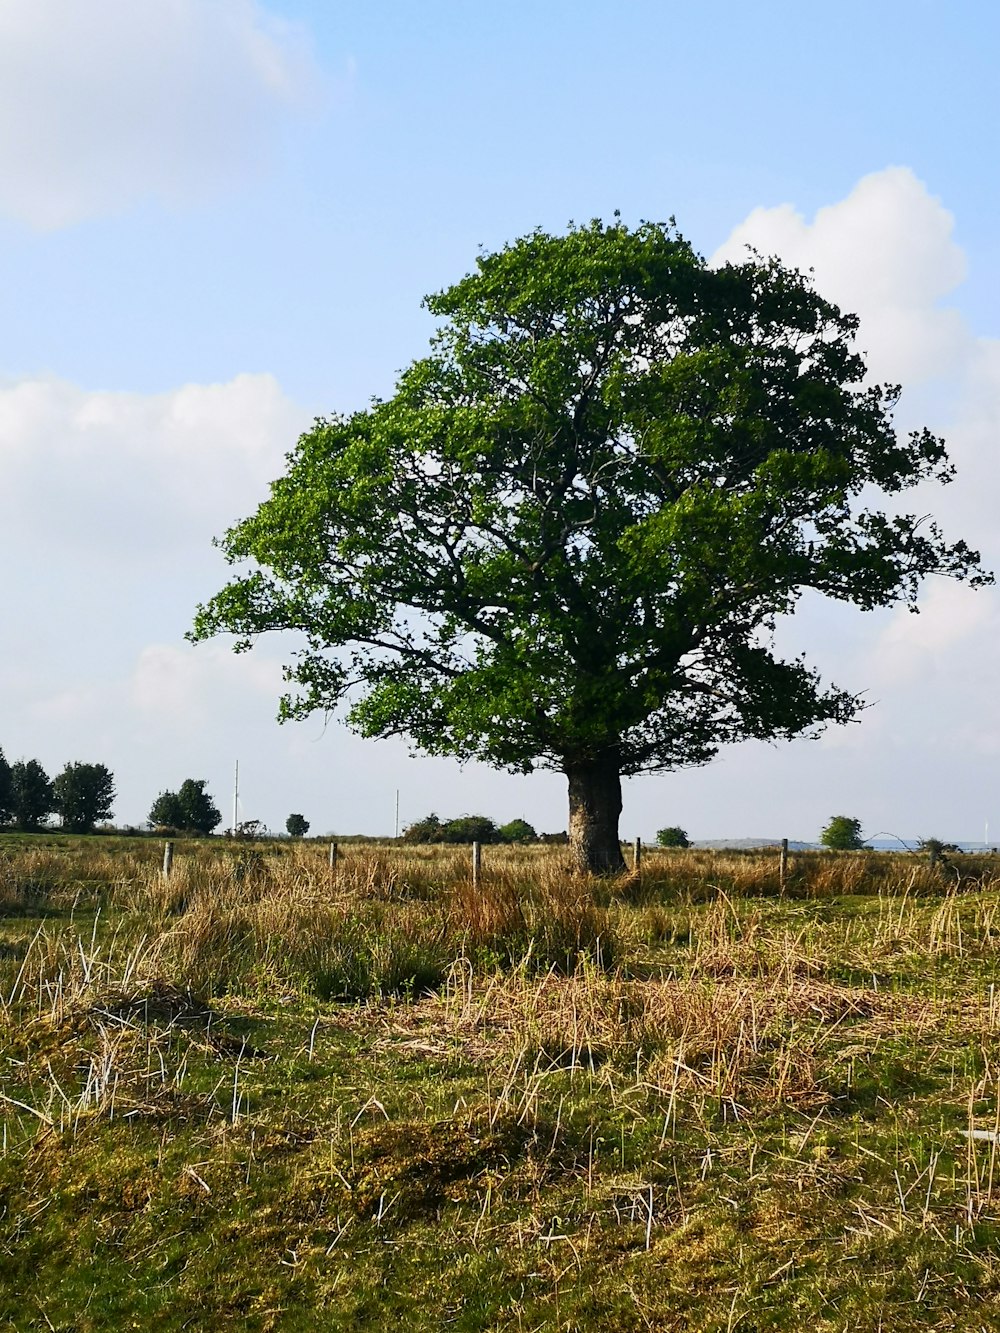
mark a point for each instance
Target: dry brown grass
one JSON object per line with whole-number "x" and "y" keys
{"x": 582, "y": 1104}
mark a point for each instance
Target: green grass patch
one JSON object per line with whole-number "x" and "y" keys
{"x": 266, "y": 1096}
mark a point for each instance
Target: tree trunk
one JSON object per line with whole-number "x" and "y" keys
{"x": 595, "y": 804}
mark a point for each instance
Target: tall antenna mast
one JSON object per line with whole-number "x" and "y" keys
{"x": 236, "y": 798}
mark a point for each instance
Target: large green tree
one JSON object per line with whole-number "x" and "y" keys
{"x": 83, "y": 794}
{"x": 31, "y": 797}
{"x": 565, "y": 540}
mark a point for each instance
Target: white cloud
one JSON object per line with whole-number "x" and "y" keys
{"x": 885, "y": 253}
{"x": 108, "y": 501}
{"x": 70, "y": 705}
{"x": 131, "y": 478}
{"x": 951, "y": 616}
{"x": 186, "y": 687}
{"x": 108, "y": 102}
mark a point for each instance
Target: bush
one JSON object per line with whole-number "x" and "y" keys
{"x": 428, "y": 829}
{"x": 469, "y": 828}
{"x": 518, "y": 830}
{"x": 936, "y": 850}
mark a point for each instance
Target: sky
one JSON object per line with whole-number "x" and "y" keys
{"x": 218, "y": 219}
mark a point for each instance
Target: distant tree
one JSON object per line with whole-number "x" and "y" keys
{"x": 518, "y": 830}
{"x": 250, "y": 829}
{"x": 32, "y": 798}
{"x": 297, "y": 826}
{"x": 84, "y": 793}
{"x": 467, "y": 828}
{"x": 937, "y": 850}
{"x": 428, "y": 829}
{"x": 672, "y": 837}
{"x": 5, "y": 790}
{"x": 471, "y": 828}
{"x": 201, "y": 815}
{"x": 190, "y": 809}
{"x": 166, "y": 811}
{"x": 842, "y": 834}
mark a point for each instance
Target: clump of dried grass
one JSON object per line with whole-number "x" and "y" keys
{"x": 736, "y": 1041}
{"x": 370, "y": 925}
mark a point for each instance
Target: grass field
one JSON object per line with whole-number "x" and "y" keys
{"x": 268, "y": 1096}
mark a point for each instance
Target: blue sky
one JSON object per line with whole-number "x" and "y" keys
{"x": 218, "y": 219}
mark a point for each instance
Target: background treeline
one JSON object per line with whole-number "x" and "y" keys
{"x": 475, "y": 828}
{"x": 81, "y": 795}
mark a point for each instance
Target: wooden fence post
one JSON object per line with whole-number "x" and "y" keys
{"x": 333, "y": 857}
{"x": 168, "y": 859}
{"x": 477, "y": 863}
{"x": 783, "y": 866}
{"x": 637, "y": 856}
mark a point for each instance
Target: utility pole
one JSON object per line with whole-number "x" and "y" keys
{"x": 236, "y": 798}
{"x": 396, "y": 833}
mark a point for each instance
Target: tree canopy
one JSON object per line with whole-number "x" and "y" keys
{"x": 842, "y": 834}
{"x": 566, "y": 539}
{"x": 32, "y": 799}
{"x": 517, "y": 830}
{"x": 166, "y": 811}
{"x": 674, "y": 836}
{"x": 6, "y": 790}
{"x": 82, "y": 795}
{"x": 466, "y": 828}
{"x": 191, "y": 809}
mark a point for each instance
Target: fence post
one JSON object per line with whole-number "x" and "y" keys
{"x": 477, "y": 863}
{"x": 333, "y": 857}
{"x": 637, "y": 856}
{"x": 783, "y": 866}
{"x": 168, "y": 859}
